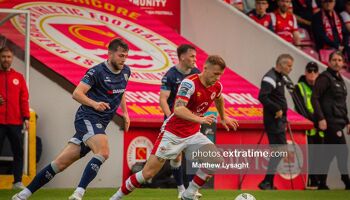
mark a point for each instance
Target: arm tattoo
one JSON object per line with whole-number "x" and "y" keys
{"x": 180, "y": 102}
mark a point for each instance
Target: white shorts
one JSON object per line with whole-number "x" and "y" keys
{"x": 168, "y": 145}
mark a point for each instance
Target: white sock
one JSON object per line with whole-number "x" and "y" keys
{"x": 174, "y": 164}
{"x": 80, "y": 191}
{"x": 129, "y": 186}
{"x": 140, "y": 177}
{"x": 192, "y": 188}
{"x": 118, "y": 195}
{"x": 181, "y": 188}
{"x": 25, "y": 193}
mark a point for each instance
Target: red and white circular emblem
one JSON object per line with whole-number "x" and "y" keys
{"x": 80, "y": 35}
{"x": 139, "y": 150}
{"x": 15, "y": 81}
{"x": 290, "y": 167}
{"x": 266, "y": 23}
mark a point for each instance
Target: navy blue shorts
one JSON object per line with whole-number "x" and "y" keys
{"x": 86, "y": 128}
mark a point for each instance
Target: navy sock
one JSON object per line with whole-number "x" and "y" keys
{"x": 90, "y": 171}
{"x": 190, "y": 177}
{"x": 269, "y": 178}
{"x": 177, "y": 173}
{"x": 43, "y": 177}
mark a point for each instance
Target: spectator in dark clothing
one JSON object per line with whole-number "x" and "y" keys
{"x": 328, "y": 28}
{"x": 272, "y": 6}
{"x": 340, "y": 5}
{"x": 303, "y": 10}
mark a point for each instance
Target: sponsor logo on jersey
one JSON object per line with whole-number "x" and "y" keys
{"x": 99, "y": 125}
{"x": 91, "y": 72}
{"x": 107, "y": 79}
{"x": 187, "y": 85}
{"x": 202, "y": 107}
{"x": 184, "y": 88}
{"x": 115, "y": 91}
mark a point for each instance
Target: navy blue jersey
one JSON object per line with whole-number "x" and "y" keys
{"x": 107, "y": 87}
{"x": 171, "y": 82}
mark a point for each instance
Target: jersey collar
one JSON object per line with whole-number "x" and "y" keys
{"x": 110, "y": 68}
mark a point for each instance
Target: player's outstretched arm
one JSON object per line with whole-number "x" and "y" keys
{"x": 181, "y": 111}
{"x": 79, "y": 95}
{"x": 226, "y": 121}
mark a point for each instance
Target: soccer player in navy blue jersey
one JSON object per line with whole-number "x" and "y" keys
{"x": 170, "y": 82}
{"x": 100, "y": 92}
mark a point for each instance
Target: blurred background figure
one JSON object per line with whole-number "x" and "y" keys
{"x": 303, "y": 10}
{"x": 272, "y": 97}
{"x": 329, "y": 30}
{"x": 331, "y": 114}
{"x": 285, "y": 23}
{"x": 259, "y": 14}
{"x": 236, "y": 3}
{"x": 302, "y": 102}
{"x": 14, "y": 111}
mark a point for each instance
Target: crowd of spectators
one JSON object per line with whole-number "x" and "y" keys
{"x": 318, "y": 27}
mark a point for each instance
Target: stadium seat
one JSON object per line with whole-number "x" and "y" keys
{"x": 310, "y": 51}
{"x": 305, "y": 39}
{"x": 324, "y": 55}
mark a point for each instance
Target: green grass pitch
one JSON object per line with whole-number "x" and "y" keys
{"x": 171, "y": 194}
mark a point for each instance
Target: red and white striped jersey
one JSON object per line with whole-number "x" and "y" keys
{"x": 199, "y": 100}
{"x": 284, "y": 26}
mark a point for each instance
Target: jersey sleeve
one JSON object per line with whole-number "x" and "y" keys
{"x": 186, "y": 89}
{"x": 314, "y": 5}
{"x": 219, "y": 90}
{"x": 345, "y": 16}
{"x": 273, "y": 21}
{"x": 166, "y": 82}
{"x": 90, "y": 77}
{"x": 128, "y": 74}
{"x": 295, "y": 24}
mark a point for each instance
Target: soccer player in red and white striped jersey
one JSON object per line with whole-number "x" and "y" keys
{"x": 181, "y": 130}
